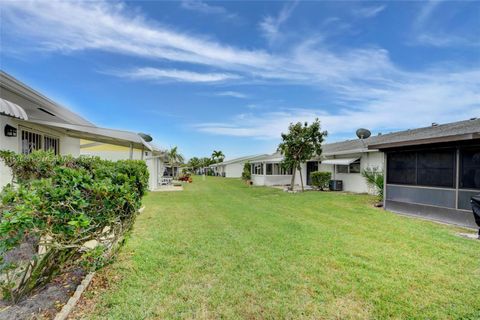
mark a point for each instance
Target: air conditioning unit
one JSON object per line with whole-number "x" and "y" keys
{"x": 336, "y": 185}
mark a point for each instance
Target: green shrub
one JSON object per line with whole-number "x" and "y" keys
{"x": 246, "y": 174}
{"x": 60, "y": 203}
{"x": 321, "y": 179}
{"x": 375, "y": 179}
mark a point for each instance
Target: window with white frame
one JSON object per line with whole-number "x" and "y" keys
{"x": 353, "y": 167}
{"x": 257, "y": 168}
{"x": 276, "y": 169}
{"x": 33, "y": 141}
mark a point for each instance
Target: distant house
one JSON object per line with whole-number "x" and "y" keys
{"x": 431, "y": 172}
{"x": 30, "y": 121}
{"x": 268, "y": 171}
{"x": 232, "y": 168}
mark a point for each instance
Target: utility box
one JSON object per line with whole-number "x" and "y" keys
{"x": 336, "y": 185}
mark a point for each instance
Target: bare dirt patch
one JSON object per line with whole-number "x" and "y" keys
{"x": 47, "y": 301}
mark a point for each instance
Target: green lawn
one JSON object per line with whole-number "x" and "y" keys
{"x": 221, "y": 249}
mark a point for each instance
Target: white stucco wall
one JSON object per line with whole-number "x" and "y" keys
{"x": 258, "y": 180}
{"x": 234, "y": 170}
{"x": 354, "y": 182}
{"x": 279, "y": 180}
{"x": 68, "y": 145}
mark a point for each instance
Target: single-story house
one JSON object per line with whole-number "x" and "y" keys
{"x": 268, "y": 171}
{"x": 30, "y": 121}
{"x": 232, "y": 168}
{"x": 431, "y": 172}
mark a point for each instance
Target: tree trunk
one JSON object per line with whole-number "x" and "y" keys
{"x": 301, "y": 178}
{"x": 292, "y": 183}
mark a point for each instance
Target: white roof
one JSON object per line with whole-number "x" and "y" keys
{"x": 340, "y": 161}
{"x": 12, "y": 110}
{"x": 246, "y": 158}
{"x": 20, "y": 101}
{"x": 35, "y": 104}
{"x": 112, "y": 136}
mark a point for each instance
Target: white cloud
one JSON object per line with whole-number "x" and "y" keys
{"x": 75, "y": 25}
{"x": 369, "y": 12}
{"x": 435, "y": 31}
{"x": 445, "y": 40}
{"x": 414, "y": 103}
{"x": 374, "y": 91}
{"x": 172, "y": 74}
{"x": 270, "y": 25}
{"x": 202, "y": 7}
{"x": 233, "y": 94}
{"x": 426, "y": 11}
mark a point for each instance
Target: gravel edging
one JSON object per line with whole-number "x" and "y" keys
{"x": 72, "y": 302}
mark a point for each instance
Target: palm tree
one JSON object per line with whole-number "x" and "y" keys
{"x": 174, "y": 159}
{"x": 194, "y": 164}
{"x": 217, "y": 156}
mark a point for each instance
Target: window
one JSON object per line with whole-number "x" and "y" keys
{"x": 257, "y": 168}
{"x": 269, "y": 169}
{"x": 51, "y": 144}
{"x": 342, "y": 168}
{"x": 353, "y": 167}
{"x": 276, "y": 169}
{"x": 470, "y": 168}
{"x": 33, "y": 141}
{"x": 434, "y": 168}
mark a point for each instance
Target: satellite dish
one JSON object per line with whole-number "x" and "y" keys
{"x": 146, "y": 137}
{"x": 363, "y": 133}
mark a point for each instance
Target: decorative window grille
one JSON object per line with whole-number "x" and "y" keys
{"x": 33, "y": 141}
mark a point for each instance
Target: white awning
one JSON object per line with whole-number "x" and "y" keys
{"x": 344, "y": 162}
{"x": 111, "y": 136}
{"x": 12, "y": 110}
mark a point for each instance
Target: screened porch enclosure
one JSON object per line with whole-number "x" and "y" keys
{"x": 436, "y": 181}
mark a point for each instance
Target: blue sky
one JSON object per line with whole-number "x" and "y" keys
{"x": 233, "y": 75}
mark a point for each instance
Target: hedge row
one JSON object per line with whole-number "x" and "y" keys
{"x": 58, "y": 204}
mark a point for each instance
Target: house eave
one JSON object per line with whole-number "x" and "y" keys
{"x": 419, "y": 142}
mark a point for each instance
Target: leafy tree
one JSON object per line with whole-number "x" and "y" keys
{"x": 174, "y": 158}
{"x": 194, "y": 164}
{"x": 375, "y": 180}
{"x": 205, "y": 162}
{"x": 300, "y": 144}
{"x": 217, "y": 156}
{"x": 247, "y": 171}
